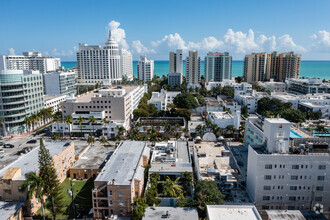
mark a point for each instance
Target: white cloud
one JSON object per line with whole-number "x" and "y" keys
{"x": 321, "y": 41}
{"x": 173, "y": 41}
{"x": 11, "y": 51}
{"x": 266, "y": 43}
{"x": 118, "y": 34}
{"x": 140, "y": 48}
{"x": 239, "y": 42}
{"x": 62, "y": 53}
{"x": 286, "y": 43}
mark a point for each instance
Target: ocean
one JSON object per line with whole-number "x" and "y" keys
{"x": 311, "y": 69}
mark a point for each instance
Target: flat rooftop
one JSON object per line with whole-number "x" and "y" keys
{"x": 9, "y": 208}
{"x": 29, "y": 162}
{"x": 277, "y": 120}
{"x": 174, "y": 213}
{"x": 51, "y": 97}
{"x": 294, "y": 215}
{"x": 232, "y": 212}
{"x": 123, "y": 163}
{"x": 93, "y": 158}
{"x": 212, "y": 102}
{"x": 220, "y": 115}
{"x": 158, "y": 121}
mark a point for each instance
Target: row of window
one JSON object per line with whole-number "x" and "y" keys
{"x": 293, "y": 177}
{"x": 292, "y": 198}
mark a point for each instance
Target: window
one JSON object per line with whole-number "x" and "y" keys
{"x": 318, "y": 199}
{"x": 319, "y": 188}
{"x": 295, "y": 167}
{"x": 292, "y": 198}
{"x": 322, "y": 167}
{"x": 110, "y": 202}
{"x": 266, "y": 198}
{"x": 293, "y": 187}
{"x": 268, "y": 166}
{"x": 267, "y": 187}
{"x": 120, "y": 193}
{"x": 121, "y": 212}
{"x": 268, "y": 177}
{"x": 294, "y": 177}
{"x": 121, "y": 203}
{"x": 110, "y": 193}
{"x": 320, "y": 178}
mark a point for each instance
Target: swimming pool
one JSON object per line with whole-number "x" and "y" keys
{"x": 294, "y": 134}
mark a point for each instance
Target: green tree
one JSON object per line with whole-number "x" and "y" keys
{"x": 80, "y": 121}
{"x": 138, "y": 113}
{"x": 91, "y": 140}
{"x": 68, "y": 120}
{"x": 151, "y": 108}
{"x": 186, "y": 101}
{"x": 181, "y": 202}
{"x": 104, "y": 141}
{"x": 34, "y": 185}
{"x": 206, "y": 193}
{"x": 187, "y": 180}
{"x": 228, "y": 91}
{"x": 51, "y": 187}
{"x": 186, "y": 113}
{"x": 92, "y": 121}
{"x": 104, "y": 123}
{"x": 139, "y": 208}
{"x": 172, "y": 188}
{"x": 151, "y": 195}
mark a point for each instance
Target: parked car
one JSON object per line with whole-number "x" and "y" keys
{"x": 31, "y": 142}
{"x": 2, "y": 143}
{"x": 1, "y": 150}
{"x": 8, "y": 146}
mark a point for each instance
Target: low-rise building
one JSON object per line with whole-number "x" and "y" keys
{"x": 227, "y": 212}
{"x": 60, "y": 83}
{"x": 195, "y": 120}
{"x": 162, "y": 98}
{"x": 11, "y": 210}
{"x": 229, "y": 103}
{"x": 120, "y": 180}
{"x": 313, "y": 107}
{"x": 90, "y": 163}
{"x": 273, "y": 86}
{"x": 249, "y": 99}
{"x": 307, "y": 86}
{"x": 54, "y": 102}
{"x": 174, "y": 79}
{"x": 158, "y": 122}
{"x": 13, "y": 175}
{"x": 294, "y": 214}
{"x": 171, "y": 159}
{"x": 223, "y": 119}
{"x": 225, "y": 82}
{"x": 171, "y": 213}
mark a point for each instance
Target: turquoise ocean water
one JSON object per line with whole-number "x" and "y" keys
{"x": 311, "y": 69}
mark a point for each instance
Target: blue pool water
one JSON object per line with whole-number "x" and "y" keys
{"x": 294, "y": 134}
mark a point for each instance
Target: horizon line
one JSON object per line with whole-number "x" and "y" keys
{"x": 232, "y": 60}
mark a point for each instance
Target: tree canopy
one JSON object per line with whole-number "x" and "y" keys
{"x": 186, "y": 101}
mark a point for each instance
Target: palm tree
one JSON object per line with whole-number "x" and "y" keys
{"x": 92, "y": 121}
{"x": 2, "y": 122}
{"x": 321, "y": 129}
{"x": 120, "y": 131}
{"x": 57, "y": 119}
{"x": 231, "y": 129}
{"x": 80, "y": 120}
{"x": 172, "y": 188}
{"x": 34, "y": 186}
{"x": 104, "y": 123}
{"x": 27, "y": 121}
{"x": 68, "y": 120}
{"x": 187, "y": 179}
{"x": 104, "y": 141}
{"x": 91, "y": 140}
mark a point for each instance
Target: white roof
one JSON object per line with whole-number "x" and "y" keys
{"x": 232, "y": 212}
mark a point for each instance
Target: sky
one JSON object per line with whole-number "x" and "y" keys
{"x": 155, "y": 27}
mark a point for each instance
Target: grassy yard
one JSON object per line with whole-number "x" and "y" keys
{"x": 82, "y": 197}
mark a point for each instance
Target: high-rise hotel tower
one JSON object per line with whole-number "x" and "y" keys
{"x": 103, "y": 65}
{"x": 218, "y": 66}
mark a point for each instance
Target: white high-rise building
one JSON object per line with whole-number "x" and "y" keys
{"x": 30, "y": 61}
{"x": 193, "y": 69}
{"x": 176, "y": 61}
{"x": 218, "y": 67}
{"x": 126, "y": 64}
{"x": 103, "y": 65}
{"x": 145, "y": 69}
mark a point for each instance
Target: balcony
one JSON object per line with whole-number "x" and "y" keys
{"x": 15, "y": 103}
{"x": 15, "y": 115}
{"x": 14, "y": 109}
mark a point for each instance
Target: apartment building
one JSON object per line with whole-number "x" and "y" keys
{"x": 176, "y": 61}
{"x": 264, "y": 66}
{"x": 13, "y": 175}
{"x": 225, "y": 82}
{"x": 273, "y": 86}
{"x": 145, "y": 69}
{"x": 120, "y": 180}
{"x": 229, "y": 103}
{"x": 249, "y": 99}
{"x": 174, "y": 79}
{"x": 218, "y": 66}
{"x": 193, "y": 69}
{"x": 30, "y": 61}
{"x": 283, "y": 172}
{"x": 162, "y": 98}
{"x": 307, "y": 86}
{"x": 223, "y": 119}
{"x": 54, "y": 102}
{"x": 21, "y": 94}
{"x": 116, "y": 104}
{"x": 103, "y": 65}
{"x": 60, "y": 83}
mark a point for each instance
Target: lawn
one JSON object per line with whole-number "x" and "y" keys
{"x": 82, "y": 197}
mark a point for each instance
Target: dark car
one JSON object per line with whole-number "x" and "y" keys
{"x": 8, "y": 146}
{"x": 2, "y": 143}
{"x": 31, "y": 142}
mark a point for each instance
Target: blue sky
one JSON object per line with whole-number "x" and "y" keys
{"x": 156, "y": 27}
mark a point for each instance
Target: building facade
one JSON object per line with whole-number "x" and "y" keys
{"x": 54, "y": 102}
{"x": 21, "y": 96}
{"x": 30, "y": 61}
{"x": 120, "y": 180}
{"x": 145, "y": 69}
{"x": 307, "y": 86}
{"x": 264, "y": 66}
{"x": 60, "y": 83}
{"x": 176, "y": 61}
{"x": 103, "y": 65}
{"x": 193, "y": 69}
{"x": 162, "y": 98}
{"x": 218, "y": 66}
{"x": 174, "y": 79}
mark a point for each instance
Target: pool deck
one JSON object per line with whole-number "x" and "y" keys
{"x": 301, "y": 133}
